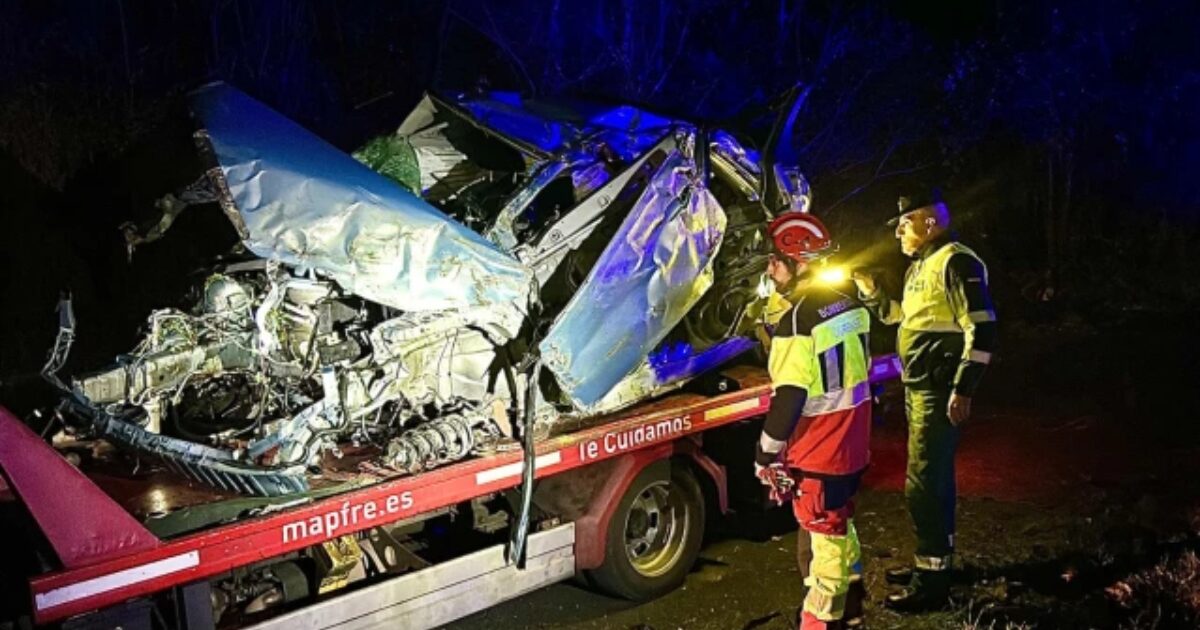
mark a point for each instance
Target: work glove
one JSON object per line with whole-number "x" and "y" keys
{"x": 753, "y": 318}
{"x": 777, "y": 478}
{"x": 765, "y": 287}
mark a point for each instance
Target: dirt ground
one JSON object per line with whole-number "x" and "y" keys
{"x": 1063, "y": 509}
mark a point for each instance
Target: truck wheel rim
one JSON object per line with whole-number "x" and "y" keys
{"x": 655, "y": 529}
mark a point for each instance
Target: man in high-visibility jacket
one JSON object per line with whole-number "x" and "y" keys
{"x": 946, "y": 339}
{"x": 815, "y": 441}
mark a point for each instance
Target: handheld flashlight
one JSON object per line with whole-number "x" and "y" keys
{"x": 832, "y": 275}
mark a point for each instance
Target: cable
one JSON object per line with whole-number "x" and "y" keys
{"x": 520, "y": 532}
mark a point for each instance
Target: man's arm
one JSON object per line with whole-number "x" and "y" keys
{"x": 790, "y": 365}
{"x": 876, "y": 299}
{"x": 967, "y": 290}
{"x": 786, "y": 407}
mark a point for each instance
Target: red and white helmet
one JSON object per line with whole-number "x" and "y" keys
{"x": 801, "y": 236}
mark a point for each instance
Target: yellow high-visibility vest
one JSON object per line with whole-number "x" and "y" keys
{"x": 926, "y": 304}
{"x": 831, "y": 358}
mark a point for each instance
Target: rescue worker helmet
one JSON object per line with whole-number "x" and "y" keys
{"x": 801, "y": 237}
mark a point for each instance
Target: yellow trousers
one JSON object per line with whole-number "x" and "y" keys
{"x": 835, "y": 559}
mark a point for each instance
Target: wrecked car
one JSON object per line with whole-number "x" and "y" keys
{"x": 494, "y": 265}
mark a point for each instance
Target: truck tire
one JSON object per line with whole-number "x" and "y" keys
{"x": 653, "y": 537}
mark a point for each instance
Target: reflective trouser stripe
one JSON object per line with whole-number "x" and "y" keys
{"x": 828, "y": 580}
{"x": 981, "y": 316}
{"x": 931, "y": 325}
{"x": 979, "y": 356}
{"x": 933, "y": 563}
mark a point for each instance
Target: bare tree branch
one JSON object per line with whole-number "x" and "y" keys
{"x": 683, "y": 33}
{"x": 494, "y": 35}
{"x": 876, "y": 178}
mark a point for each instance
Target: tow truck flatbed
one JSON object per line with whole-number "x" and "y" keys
{"x": 107, "y": 560}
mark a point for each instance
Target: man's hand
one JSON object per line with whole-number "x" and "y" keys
{"x": 865, "y": 283}
{"x": 777, "y": 478}
{"x": 959, "y": 409}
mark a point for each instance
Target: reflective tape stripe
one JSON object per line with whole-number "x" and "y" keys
{"x": 981, "y": 316}
{"x": 833, "y": 369}
{"x": 770, "y": 445}
{"x": 979, "y": 356}
{"x": 516, "y": 468}
{"x": 935, "y": 327}
{"x": 724, "y": 411}
{"x": 824, "y": 607}
{"x": 113, "y": 581}
{"x": 932, "y": 563}
{"x": 838, "y": 400}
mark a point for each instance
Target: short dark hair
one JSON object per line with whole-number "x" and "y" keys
{"x": 792, "y": 263}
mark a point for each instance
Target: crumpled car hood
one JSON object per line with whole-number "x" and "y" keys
{"x": 299, "y": 200}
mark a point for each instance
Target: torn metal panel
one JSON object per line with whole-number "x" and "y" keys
{"x": 681, "y": 362}
{"x": 433, "y": 107}
{"x": 216, "y": 467}
{"x": 569, "y": 233}
{"x": 656, "y": 268}
{"x": 736, "y": 164}
{"x": 784, "y": 187}
{"x": 667, "y": 370}
{"x": 503, "y": 232}
{"x": 307, "y": 204}
{"x": 627, "y": 131}
{"x": 424, "y": 133}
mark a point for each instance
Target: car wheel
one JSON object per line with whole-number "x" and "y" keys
{"x": 709, "y": 321}
{"x": 653, "y": 537}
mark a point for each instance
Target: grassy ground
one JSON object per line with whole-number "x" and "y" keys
{"x": 1085, "y": 564}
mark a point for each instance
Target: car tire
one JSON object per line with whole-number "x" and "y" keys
{"x": 653, "y": 537}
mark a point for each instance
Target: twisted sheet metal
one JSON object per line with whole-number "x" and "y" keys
{"x": 653, "y": 271}
{"x": 303, "y": 202}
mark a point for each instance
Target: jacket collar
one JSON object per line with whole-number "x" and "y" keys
{"x": 937, "y": 243}
{"x": 795, "y": 290}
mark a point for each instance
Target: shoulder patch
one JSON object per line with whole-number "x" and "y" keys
{"x": 840, "y": 306}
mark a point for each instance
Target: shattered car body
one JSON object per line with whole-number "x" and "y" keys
{"x": 405, "y": 298}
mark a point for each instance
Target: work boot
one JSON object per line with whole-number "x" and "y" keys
{"x": 853, "y": 615}
{"x": 899, "y": 576}
{"x": 929, "y": 590}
